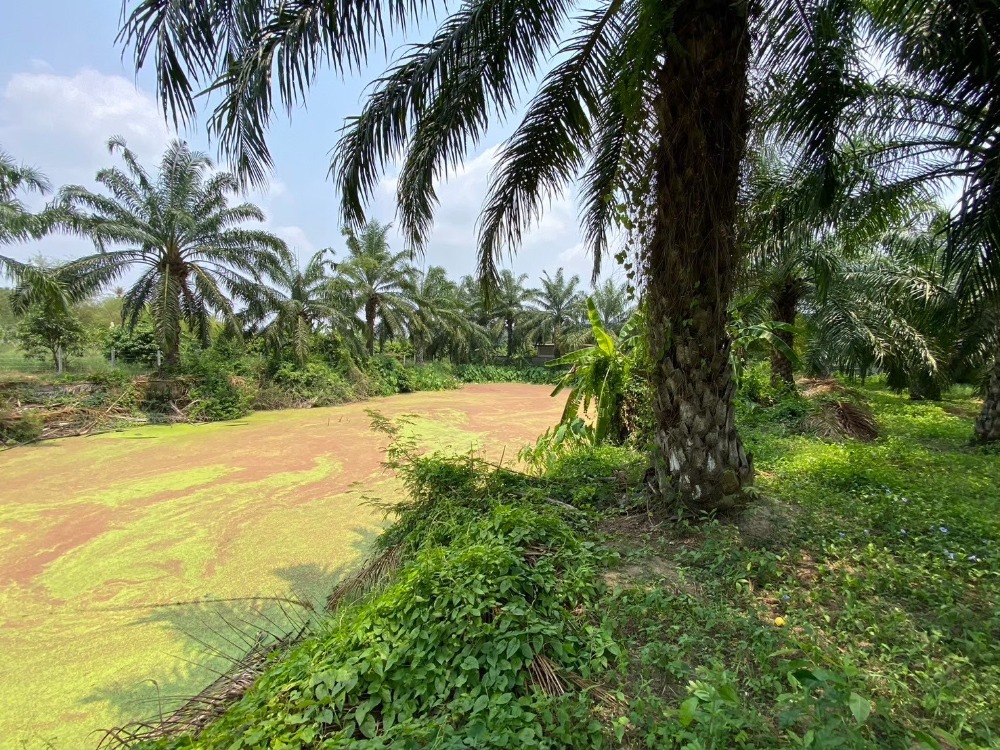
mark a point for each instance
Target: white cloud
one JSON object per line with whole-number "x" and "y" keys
{"x": 552, "y": 242}
{"x": 61, "y": 123}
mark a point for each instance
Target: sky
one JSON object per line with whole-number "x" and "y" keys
{"x": 66, "y": 87}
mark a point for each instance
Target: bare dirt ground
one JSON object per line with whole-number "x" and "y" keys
{"x": 104, "y": 540}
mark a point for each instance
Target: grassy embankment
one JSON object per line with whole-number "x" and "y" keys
{"x": 856, "y": 606}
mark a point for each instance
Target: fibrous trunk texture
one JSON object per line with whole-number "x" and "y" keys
{"x": 786, "y": 305}
{"x": 988, "y": 423}
{"x": 702, "y": 120}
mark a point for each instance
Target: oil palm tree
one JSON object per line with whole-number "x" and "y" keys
{"x": 614, "y": 303}
{"x": 288, "y": 307}
{"x": 35, "y": 283}
{"x": 509, "y": 307}
{"x": 646, "y": 108}
{"x": 376, "y": 283}
{"x": 927, "y": 115}
{"x": 440, "y": 324}
{"x": 560, "y": 307}
{"x": 177, "y": 229}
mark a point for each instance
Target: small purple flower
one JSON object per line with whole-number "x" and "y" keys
{"x": 902, "y": 531}
{"x": 842, "y": 534}
{"x": 944, "y": 529}
{"x": 973, "y": 558}
{"x": 906, "y": 499}
{"x": 951, "y": 555}
{"x": 786, "y": 598}
{"x": 866, "y": 532}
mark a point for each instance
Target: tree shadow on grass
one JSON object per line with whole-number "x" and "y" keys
{"x": 213, "y": 635}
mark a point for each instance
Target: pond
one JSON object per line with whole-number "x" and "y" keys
{"x": 128, "y": 560}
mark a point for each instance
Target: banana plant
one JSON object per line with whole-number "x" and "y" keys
{"x": 599, "y": 375}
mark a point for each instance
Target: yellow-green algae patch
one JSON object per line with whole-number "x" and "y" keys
{"x": 104, "y": 539}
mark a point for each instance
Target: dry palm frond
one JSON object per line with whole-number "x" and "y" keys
{"x": 201, "y": 709}
{"x": 555, "y": 681}
{"x": 535, "y": 553}
{"x": 371, "y": 575}
{"x": 838, "y": 419}
{"x": 545, "y": 675}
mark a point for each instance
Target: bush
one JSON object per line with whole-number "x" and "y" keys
{"x": 507, "y": 374}
{"x": 22, "y": 427}
{"x": 432, "y": 376}
{"x": 316, "y": 384}
{"x": 136, "y": 346}
{"x": 226, "y": 383}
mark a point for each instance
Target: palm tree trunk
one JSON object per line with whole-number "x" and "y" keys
{"x": 370, "y": 310}
{"x": 988, "y": 423}
{"x": 510, "y": 338}
{"x": 702, "y": 112}
{"x": 786, "y": 306}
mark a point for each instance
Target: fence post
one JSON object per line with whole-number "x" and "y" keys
{"x": 159, "y": 359}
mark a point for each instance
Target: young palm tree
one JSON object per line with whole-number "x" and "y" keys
{"x": 179, "y": 232}
{"x": 508, "y": 307}
{"x": 561, "y": 309}
{"x": 377, "y": 283}
{"x": 289, "y": 307}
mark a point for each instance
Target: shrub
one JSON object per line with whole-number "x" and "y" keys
{"x": 136, "y": 346}
{"x": 507, "y": 374}
{"x": 315, "y": 384}
{"x": 432, "y": 376}
{"x": 226, "y": 382}
{"x": 22, "y": 427}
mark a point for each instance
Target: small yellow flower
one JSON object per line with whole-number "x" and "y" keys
{"x": 779, "y": 621}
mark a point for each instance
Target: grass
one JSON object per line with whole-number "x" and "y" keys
{"x": 854, "y": 606}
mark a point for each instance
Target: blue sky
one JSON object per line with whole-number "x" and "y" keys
{"x": 65, "y": 88}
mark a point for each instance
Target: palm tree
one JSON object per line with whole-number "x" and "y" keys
{"x": 929, "y": 116}
{"x": 614, "y": 302}
{"x": 36, "y": 284}
{"x": 800, "y": 233}
{"x": 646, "y": 109}
{"x": 508, "y": 306}
{"x": 178, "y": 230}
{"x": 289, "y": 307}
{"x": 441, "y": 324}
{"x": 377, "y": 283}
{"x": 561, "y": 309}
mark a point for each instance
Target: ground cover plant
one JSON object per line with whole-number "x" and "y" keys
{"x": 853, "y": 607}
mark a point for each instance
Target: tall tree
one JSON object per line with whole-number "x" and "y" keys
{"x": 561, "y": 308}
{"x": 378, "y": 284}
{"x": 288, "y": 307}
{"x": 647, "y": 106}
{"x": 614, "y": 303}
{"x": 18, "y": 224}
{"x": 177, "y": 229}
{"x": 508, "y": 305}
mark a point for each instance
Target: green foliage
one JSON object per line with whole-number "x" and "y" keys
{"x": 473, "y": 373}
{"x": 757, "y": 386}
{"x": 599, "y": 376}
{"x": 449, "y": 653}
{"x": 137, "y": 345}
{"x": 42, "y": 332}
{"x": 20, "y": 428}
{"x": 315, "y": 384}
{"x": 431, "y": 376}
{"x": 225, "y": 383}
